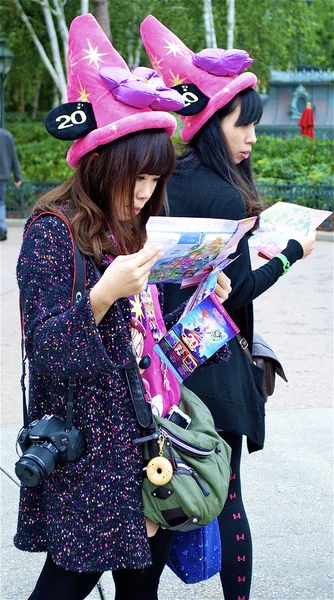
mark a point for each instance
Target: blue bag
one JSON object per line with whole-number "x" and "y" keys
{"x": 196, "y": 555}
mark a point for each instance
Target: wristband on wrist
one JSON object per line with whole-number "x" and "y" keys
{"x": 285, "y": 262}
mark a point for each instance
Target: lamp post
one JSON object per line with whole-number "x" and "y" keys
{"x": 6, "y": 61}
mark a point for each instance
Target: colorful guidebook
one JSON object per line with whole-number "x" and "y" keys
{"x": 203, "y": 328}
{"x": 192, "y": 247}
{"x": 284, "y": 221}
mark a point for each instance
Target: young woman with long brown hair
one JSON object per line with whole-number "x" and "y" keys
{"x": 87, "y": 514}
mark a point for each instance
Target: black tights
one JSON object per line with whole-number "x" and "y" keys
{"x": 55, "y": 583}
{"x": 236, "y": 573}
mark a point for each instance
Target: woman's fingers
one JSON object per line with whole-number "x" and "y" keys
{"x": 223, "y": 287}
{"x": 224, "y": 282}
{"x": 142, "y": 257}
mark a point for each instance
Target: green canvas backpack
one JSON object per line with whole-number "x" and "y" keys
{"x": 200, "y": 458}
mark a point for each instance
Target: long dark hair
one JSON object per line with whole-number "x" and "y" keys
{"x": 104, "y": 182}
{"x": 210, "y": 147}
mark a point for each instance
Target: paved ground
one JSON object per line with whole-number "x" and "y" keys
{"x": 287, "y": 486}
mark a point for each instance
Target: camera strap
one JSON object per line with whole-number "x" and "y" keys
{"x": 78, "y": 290}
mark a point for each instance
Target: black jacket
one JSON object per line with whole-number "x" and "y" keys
{"x": 231, "y": 390}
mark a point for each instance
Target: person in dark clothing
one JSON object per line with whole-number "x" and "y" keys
{"x": 8, "y": 163}
{"x": 213, "y": 179}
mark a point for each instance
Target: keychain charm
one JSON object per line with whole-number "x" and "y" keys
{"x": 159, "y": 470}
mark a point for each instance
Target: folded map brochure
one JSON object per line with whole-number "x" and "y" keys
{"x": 203, "y": 328}
{"x": 280, "y": 223}
{"x": 192, "y": 247}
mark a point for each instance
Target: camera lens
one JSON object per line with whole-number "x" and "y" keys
{"x": 36, "y": 464}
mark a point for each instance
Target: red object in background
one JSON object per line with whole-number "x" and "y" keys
{"x": 306, "y": 121}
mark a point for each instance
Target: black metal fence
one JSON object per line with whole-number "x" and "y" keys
{"x": 20, "y": 201}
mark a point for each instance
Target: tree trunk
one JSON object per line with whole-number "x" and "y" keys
{"x": 230, "y": 23}
{"x": 84, "y": 7}
{"x": 59, "y": 82}
{"x": 101, "y": 14}
{"x": 55, "y": 49}
{"x": 62, "y": 26}
{"x": 35, "y": 103}
{"x": 22, "y": 98}
{"x": 210, "y": 33}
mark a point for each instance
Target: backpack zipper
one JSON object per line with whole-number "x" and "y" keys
{"x": 179, "y": 443}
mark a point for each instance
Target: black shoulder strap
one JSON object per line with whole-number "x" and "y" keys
{"x": 78, "y": 290}
{"x": 79, "y": 273}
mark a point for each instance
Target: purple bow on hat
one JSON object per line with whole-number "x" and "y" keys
{"x": 222, "y": 62}
{"x": 140, "y": 88}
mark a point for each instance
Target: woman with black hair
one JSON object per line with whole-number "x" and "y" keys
{"x": 213, "y": 179}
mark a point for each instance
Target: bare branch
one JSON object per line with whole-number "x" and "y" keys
{"x": 84, "y": 7}
{"x": 42, "y": 3}
{"x": 210, "y": 33}
{"x": 230, "y": 23}
{"x": 55, "y": 49}
{"x": 62, "y": 25}
{"x": 37, "y": 43}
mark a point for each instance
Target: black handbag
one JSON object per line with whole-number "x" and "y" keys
{"x": 265, "y": 358}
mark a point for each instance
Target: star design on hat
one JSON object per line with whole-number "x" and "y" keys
{"x": 173, "y": 47}
{"x": 93, "y": 55}
{"x": 227, "y": 90}
{"x": 114, "y": 127}
{"x": 156, "y": 64}
{"x": 84, "y": 95}
{"x": 176, "y": 78}
{"x": 70, "y": 60}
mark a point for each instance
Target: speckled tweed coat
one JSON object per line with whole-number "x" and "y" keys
{"x": 87, "y": 514}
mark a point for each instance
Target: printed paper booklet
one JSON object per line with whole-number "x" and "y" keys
{"x": 203, "y": 328}
{"x": 192, "y": 247}
{"x": 281, "y": 222}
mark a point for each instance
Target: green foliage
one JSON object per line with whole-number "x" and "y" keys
{"x": 42, "y": 157}
{"x": 296, "y": 159}
{"x": 277, "y": 33}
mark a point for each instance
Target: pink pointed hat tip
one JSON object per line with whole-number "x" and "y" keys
{"x": 222, "y": 63}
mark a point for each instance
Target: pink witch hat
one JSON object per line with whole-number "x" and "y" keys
{"x": 105, "y": 99}
{"x": 207, "y": 80}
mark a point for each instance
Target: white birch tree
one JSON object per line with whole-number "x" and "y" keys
{"x": 209, "y": 25}
{"x": 54, "y": 67}
{"x": 54, "y": 44}
{"x": 230, "y": 23}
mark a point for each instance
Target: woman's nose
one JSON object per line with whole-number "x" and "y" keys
{"x": 251, "y": 136}
{"x": 144, "y": 191}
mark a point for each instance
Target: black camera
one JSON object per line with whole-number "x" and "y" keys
{"x": 44, "y": 444}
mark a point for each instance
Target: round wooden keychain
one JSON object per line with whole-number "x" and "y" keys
{"x": 159, "y": 470}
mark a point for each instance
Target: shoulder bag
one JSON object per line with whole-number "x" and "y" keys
{"x": 265, "y": 358}
{"x": 189, "y": 485}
